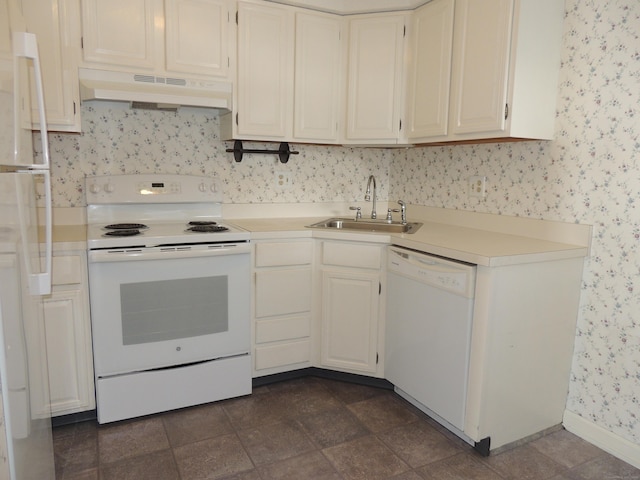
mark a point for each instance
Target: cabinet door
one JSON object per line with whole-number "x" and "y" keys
{"x": 197, "y": 36}
{"x": 121, "y": 32}
{"x": 318, "y": 71}
{"x": 374, "y": 78}
{"x": 350, "y": 318}
{"x": 429, "y": 70}
{"x": 481, "y": 48}
{"x": 265, "y": 71}
{"x": 68, "y": 340}
{"x": 56, "y": 23}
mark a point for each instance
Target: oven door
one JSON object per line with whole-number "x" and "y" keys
{"x": 160, "y": 307}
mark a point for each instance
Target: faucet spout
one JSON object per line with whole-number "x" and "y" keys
{"x": 367, "y": 195}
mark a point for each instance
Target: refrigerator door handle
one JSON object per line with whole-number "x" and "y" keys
{"x": 25, "y": 45}
{"x": 40, "y": 283}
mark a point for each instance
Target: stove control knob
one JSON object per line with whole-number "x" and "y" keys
{"x": 94, "y": 188}
{"x": 213, "y": 188}
{"x": 109, "y": 188}
{"x": 203, "y": 187}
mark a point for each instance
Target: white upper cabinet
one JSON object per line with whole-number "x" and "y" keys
{"x": 318, "y": 77}
{"x": 506, "y": 59}
{"x": 175, "y": 36}
{"x": 289, "y": 75}
{"x": 428, "y": 59}
{"x": 122, "y": 32}
{"x": 265, "y": 72}
{"x": 56, "y": 24}
{"x": 375, "y": 72}
{"x": 205, "y": 52}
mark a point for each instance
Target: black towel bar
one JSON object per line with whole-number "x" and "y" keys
{"x": 283, "y": 152}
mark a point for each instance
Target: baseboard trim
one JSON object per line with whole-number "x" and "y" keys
{"x": 602, "y": 438}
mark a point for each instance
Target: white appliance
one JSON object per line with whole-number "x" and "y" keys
{"x": 169, "y": 292}
{"x": 428, "y": 335}
{"x": 162, "y": 92}
{"x": 25, "y": 271}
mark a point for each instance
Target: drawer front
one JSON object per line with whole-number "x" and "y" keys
{"x": 282, "y": 354}
{"x": 352, "y": 255}
{"x": 284, "y": 328}
{"x": 273, "y": 254}
{"x": 281, "y": 292}
{"x": 66, "y": 270}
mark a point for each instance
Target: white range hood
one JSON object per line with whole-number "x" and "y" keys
{"x": 162, "y": 92}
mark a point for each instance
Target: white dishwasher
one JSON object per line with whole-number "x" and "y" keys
{"x": 428, "y": 332}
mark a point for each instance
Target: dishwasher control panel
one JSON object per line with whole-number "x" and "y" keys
{"x": 449, "y": 275}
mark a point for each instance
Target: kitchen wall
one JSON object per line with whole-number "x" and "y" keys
{"x": 117, "y": 140}
{"x": 589, "y": 174}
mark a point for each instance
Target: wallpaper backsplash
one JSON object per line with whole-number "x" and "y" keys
{"x": 117, "y": 140}
{"x": 589, "y": 174}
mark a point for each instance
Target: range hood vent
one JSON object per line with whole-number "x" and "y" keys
{"x": 150, "y": 89}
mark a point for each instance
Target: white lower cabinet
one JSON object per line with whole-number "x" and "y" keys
{"x": 282, "y": 305}
{"x": 67, "y": 333}
{"x": 351, "y": 307}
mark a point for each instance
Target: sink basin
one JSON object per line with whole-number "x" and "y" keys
{"x": 367, "y": 225}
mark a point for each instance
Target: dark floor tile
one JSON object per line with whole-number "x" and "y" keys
{"x": 408, "y": 476}
{"x": 566, "y": 448}
{"x": 306, "y": 396}
{"x": 605, "y": 467}
{"x": 153, "y": 466}
{"x": 311, "y": 466}
{"x": 382, "y": 412}
{"x": 352, "y": 392}
{"x": 131, "y": 439}
{"x": 213, "y": 458}
{"x": 254, "y": 410}
{"x": 418, "y": 443}
{"x": 365, "y": 458}
{"x": 274, "y": 442}
{"x": 332, "y": 427}
{"x": 75, "y": 449}
{"x": 89, "y": 474}
{"x": 524, "y": 463}
{"x": 463, "y": 466}
{"x": 196, "y": 423}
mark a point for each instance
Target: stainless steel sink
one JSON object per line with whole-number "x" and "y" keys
{"x": 367, "y": 225}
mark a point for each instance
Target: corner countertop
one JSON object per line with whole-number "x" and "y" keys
{"x": 472, "y": 245}
{"x": 479, "y": 238}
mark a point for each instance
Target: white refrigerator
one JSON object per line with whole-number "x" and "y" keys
{"x": 26, "y": 449}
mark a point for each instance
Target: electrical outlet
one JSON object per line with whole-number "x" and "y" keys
{"x": 283, "y": 180}
{"x": 478, "y": 186}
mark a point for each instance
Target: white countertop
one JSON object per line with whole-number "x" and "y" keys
{"x": 481, "y": 247}
{"x": 482, "y": 239}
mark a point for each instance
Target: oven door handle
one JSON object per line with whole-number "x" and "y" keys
{"x": 165, "y": 253}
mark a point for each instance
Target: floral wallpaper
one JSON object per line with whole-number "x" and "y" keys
{"x": 590, "y": 173}
{"x": 118, "y": 140}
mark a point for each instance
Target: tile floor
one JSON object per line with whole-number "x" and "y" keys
{"x": 312, "y": 429}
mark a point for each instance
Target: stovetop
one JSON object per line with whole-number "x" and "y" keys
{"x": 157, "y": 209}
{"x": 156, "y": 234}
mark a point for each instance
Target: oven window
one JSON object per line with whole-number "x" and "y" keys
{"x": 173, "y": 309}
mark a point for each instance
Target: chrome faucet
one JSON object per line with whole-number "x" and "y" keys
{"x": 367, "y": 195}
{"x": 403, "y": 211}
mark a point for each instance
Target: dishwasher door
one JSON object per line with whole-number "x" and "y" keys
{"x": 428, "y": 331}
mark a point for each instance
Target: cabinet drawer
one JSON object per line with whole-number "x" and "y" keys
{"x": 282, "y": 354}
{"x": 280, "y": 292}
{"x": 352, "y": 255}
{"x": 287, "y": 328}
{"x": 274, "y": 254}
{"x": 66, "y": 270}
